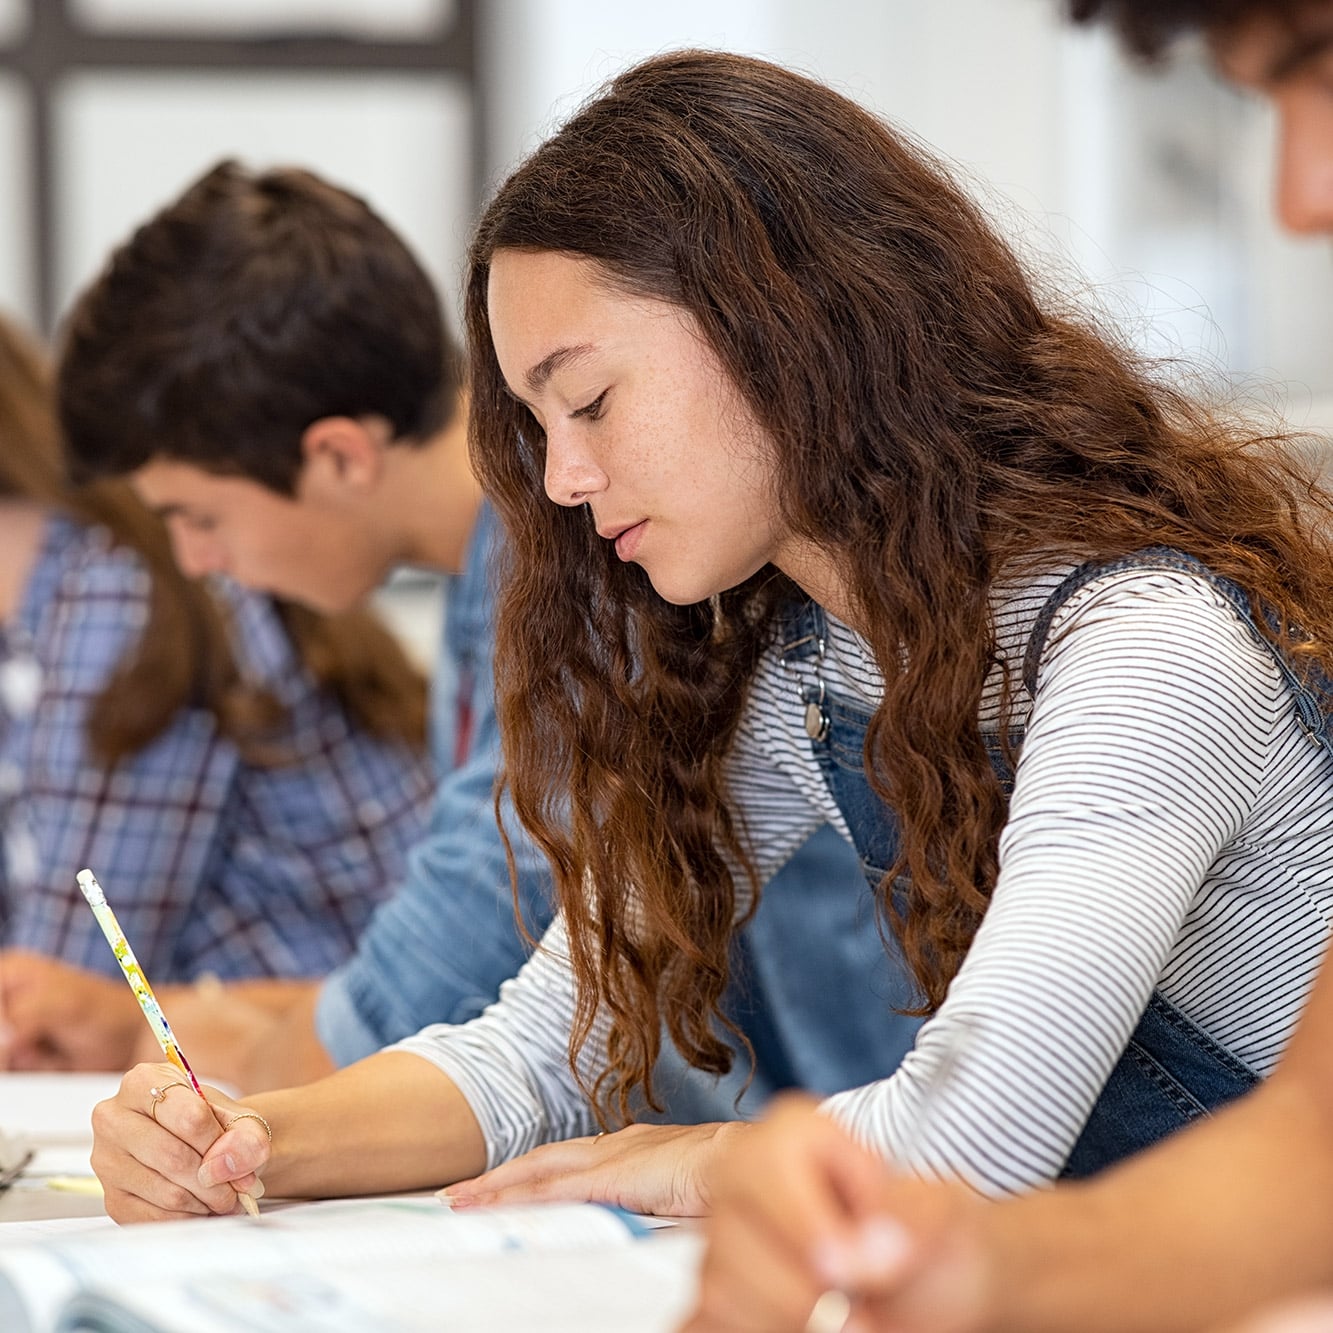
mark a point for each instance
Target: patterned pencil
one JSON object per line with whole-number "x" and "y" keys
{"x": 143, "y": 992}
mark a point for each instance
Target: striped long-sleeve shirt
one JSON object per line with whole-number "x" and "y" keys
{"x": 1171, "y": 826}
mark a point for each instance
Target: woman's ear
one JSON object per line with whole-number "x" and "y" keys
{"x": 341, "y": 456}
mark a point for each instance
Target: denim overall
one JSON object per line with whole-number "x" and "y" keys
{"x": 1171, "y": 1072}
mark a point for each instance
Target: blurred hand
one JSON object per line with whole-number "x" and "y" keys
{"x": 174, "y": 1157}
{"x": 800, "y": 1209}
{"x": 216, "y": 1025}
{"x": 57, "y": 1016}
{"x": 646, "y": 1168}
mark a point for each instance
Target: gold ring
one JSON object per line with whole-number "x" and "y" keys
{"x": 160, "y": 1095}
{"x": 252, "y": 1115}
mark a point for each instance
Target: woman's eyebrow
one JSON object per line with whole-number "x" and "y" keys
{"x": 538, "y": 376}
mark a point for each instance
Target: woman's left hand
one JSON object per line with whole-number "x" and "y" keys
{"x": 662, "y": 1169}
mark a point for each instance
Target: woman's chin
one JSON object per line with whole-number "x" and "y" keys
{"x": 680, "y": 589}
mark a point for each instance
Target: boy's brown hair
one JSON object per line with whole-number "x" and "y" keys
{"x": 254, "y": 305}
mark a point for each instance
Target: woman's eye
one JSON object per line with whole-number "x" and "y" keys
{"x": 593, "y": 410}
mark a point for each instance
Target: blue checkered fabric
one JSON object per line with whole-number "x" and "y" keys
{"x": 212, "y": 863}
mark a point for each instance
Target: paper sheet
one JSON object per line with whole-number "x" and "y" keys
{"x": 51, "y": 1228}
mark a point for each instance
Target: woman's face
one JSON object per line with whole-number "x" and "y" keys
{"x": 642, "y": 423}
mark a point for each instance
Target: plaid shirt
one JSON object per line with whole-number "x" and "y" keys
{"x": 212, "y": 864}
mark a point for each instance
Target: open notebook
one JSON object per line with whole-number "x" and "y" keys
{"x": 395, "y": 1265}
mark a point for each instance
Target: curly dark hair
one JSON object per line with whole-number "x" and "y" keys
{"x": 1148, "y": 26}
{"x": 935, "y": 425}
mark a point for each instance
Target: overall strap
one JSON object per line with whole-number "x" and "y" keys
{"x": 1311, "y": 692}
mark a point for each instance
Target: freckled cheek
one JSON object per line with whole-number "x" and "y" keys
{"x": 638, "y": 455}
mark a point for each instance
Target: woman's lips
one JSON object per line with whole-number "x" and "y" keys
{"x": 628, "y": 541}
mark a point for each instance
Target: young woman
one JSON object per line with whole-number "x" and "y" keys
{"x": 819, "y": 512}
{"x": 244, "y": 779}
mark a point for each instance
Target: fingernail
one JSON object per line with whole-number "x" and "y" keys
{"x": 878, "y": 1251}
{"x": 881, "y": 1248}
{"x": 218, "y": 1169}
{"x": 256, "y": 1191}
{"x": 832, "y": 1261}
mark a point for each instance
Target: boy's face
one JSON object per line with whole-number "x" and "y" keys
{"x": 1290, "y": 61}
{"x": 300, "y": 548}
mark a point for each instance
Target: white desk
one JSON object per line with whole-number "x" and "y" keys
{"x": 51, "y": 1111}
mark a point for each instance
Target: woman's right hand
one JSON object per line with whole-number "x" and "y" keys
{"x": 162, "y": 1153}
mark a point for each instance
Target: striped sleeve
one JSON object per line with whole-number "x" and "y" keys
{"x": 1161, "y": 745}
{"x": 1146, "y": 748}
{"x": 511, "y": 1063}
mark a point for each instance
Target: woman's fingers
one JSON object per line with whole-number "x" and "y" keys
{"x": 150, "y": 1142}
{"x": 645, "y": 1168}
{"x": 135, "y": 1192}
{"x": 1311, "y": 1315}
{"x": 236, "y": 1158}
{"x": 241, "y": 1151}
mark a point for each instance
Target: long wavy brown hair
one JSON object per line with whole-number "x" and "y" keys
{"x": 935, "y": 424}
{"x": 184, "y": 658}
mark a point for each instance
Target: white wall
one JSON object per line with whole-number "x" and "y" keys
{"x": 13, "y": 19}
{"x": 130, "y": 144}
{"x": 931, "y": 67}
{"x": 125, "y": 144}
{"x": 1152, "y": 184}
{"x": 17, "y": 290}
{"x": 543, "y": 57}
{"x": 381, "y": 18}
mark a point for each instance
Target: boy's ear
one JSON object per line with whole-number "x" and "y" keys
{"x": 340, "y": 454}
